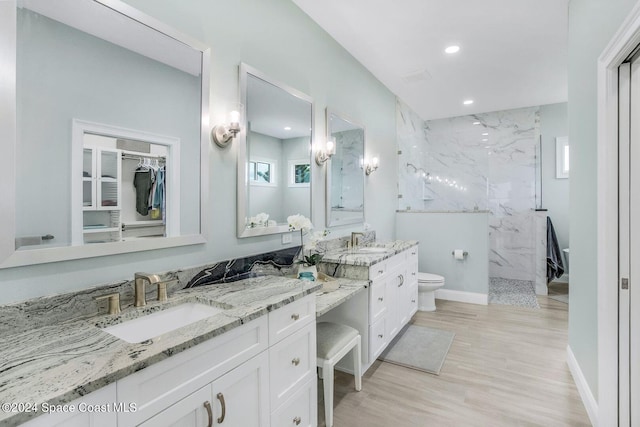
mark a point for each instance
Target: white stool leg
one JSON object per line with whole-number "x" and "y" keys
{"x": 328, "y": 393}
{"x": 357, "y": 365}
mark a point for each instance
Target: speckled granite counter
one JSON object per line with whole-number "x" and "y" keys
{"x": 361, "y": 258}
{"x": 66, "y": 360}
{"x": 326, "y": 300}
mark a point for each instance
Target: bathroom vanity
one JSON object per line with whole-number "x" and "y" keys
{"x": 392, "y": 297}
{"x": 251, "y": 364}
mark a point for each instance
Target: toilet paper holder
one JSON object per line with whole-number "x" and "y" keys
{"x": 465, "y": 253}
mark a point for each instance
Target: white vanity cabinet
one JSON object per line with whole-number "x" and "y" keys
{"x": 237, "y": 399}
{"x": 381, "y": 314}
{"x": 88, "y": 410}
{"x": 259, "y": 374}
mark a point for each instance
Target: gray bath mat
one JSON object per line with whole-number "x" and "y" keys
{"x": 419, "y": 347}
{"x": 512, "y": 292}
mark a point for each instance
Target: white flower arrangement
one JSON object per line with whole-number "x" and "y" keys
{"x": 316, "y": 238}
{"x": 260, "y": 220}
{"x": 299, "y": 222}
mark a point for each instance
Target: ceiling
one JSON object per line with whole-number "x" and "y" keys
{"x": 513, "y": 53}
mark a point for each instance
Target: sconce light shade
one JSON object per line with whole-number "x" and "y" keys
{"x": 371, "y": 167}
{"x": 223, "y": 134}
{"x": 323, "y": 155}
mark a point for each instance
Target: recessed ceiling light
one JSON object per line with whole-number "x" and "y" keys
{"x": 476, "y": 123}
{"x": 287, "y": 128}
{"x": 485, "y": 134}
{"x": 485, "y": 140}
{"x": 468, "y": 101}
{"x": 452, "y": 49}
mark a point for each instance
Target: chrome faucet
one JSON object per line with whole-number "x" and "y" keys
{"x": 141, "y": 279}
{"x": 355, "y": 240}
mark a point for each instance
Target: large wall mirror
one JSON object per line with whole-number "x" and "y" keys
{"x": 345, "y": 175}
{"x": 274, "y": 155}
{"x": 111, "y": 131}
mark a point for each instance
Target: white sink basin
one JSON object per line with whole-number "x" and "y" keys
{"x": 371, "y": 250}
{"x": 161, "y": 322}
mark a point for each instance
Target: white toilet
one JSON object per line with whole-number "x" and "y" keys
{"x": 427, "y": 285}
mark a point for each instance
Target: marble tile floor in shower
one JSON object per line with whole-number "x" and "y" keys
{"x": 512, "y": 292}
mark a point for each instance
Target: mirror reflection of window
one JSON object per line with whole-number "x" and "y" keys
{"x": 278, "y": 146}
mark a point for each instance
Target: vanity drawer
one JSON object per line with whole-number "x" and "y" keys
{"x": 377, "y": 338}
{"x": 377, "y": 270}
{"x": 396, "y": 261}
{"x": 301, "y": 410}
{"x": 162, "y": 384}
{"x": 292, "y": 362}
{"x": 378, "y": 300}
{"x": 290, "y": 318}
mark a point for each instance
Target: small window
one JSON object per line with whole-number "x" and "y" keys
{"x": 262, "y": 172}
{"x": 562, "y": 157}
{"x": 299, "y": 173}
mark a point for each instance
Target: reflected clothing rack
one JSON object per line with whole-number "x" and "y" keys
{"x": 143, "y": 156}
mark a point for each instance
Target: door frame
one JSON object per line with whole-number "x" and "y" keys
{"x": 619, "y": 48}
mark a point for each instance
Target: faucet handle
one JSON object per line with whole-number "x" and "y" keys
{"x": 114, "y": 302}
{"x": 162, "y": 289}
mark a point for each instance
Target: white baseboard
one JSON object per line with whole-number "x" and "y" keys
{"x": 462, "y": 296}
{"x": 588, "y": 400}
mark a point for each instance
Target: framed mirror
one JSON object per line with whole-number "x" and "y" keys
{"x": 345, "y": 174}
{"x": 274, "y": 155}
{"x": 108, "y": 132}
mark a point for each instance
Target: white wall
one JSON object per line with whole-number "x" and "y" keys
{"x": 439, "y": 234}
{"x": 276, "y": 37}
{"x": 592, "y": 23}
{"x": 555, "y": 192}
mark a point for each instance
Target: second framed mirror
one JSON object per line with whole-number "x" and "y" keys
{"x": 345, "y": 174}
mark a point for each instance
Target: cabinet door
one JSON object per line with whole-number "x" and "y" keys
{"x": 241, "y": 397}
{"x": 82, "y": 417}
{"x": 109, "y": 167}
{"x": 188, "y": 412}
{"x": 395, "y": 286}
{"x": 89, "y": 177}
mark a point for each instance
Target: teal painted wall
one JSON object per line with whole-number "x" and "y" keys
{"x": 276, "y": 37}
{"x": 592, "y": 23}
{"x": 555, "y": 192}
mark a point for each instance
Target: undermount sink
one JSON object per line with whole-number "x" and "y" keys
{"x": 371, "y": 250}
{"x": 161, "y": 322}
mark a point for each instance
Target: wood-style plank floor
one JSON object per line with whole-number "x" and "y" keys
{"x": 506, "y": 367}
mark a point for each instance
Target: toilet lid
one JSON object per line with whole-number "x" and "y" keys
{"x": 429, "y": 278}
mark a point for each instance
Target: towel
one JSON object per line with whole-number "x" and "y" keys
{"x": 555, "y": 268}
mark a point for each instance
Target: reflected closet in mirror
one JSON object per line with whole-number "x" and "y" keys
{"x": 90, "y": 76}
{"x": 345, "y": 174}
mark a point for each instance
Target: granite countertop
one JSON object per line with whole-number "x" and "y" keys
{"x": 64, "y": 361}
{"x": 361, "y": 258}
{"x": 329, "y": 297}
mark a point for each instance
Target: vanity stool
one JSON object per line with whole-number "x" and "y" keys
{"x": 334, "y": 342}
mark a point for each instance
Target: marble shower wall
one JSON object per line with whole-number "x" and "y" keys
{"x": 451, "y": 165}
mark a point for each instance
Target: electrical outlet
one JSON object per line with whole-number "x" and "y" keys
{"x": 286, "y": 238}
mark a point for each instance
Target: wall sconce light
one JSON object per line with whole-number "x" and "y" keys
{"x": 223, "y": 134}
{"x": 371, "y": 167}
{"x": 323, "y": 155}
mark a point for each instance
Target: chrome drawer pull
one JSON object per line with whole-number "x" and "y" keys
{"x": 413, "y": 274}
{"x": 207, "y": 406}
{"x": 380, "y": 336}
{"x": 413, "y": 300}
{"x": 220, "y": 397}
{"x": 380, "y": 299}
{"x": 380, "y": 271}
{"x": 296, "y": 361}
{"x": 401, "y": 277}
{"x": 295, "y": 316}
{"x": 297, "y": 421}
